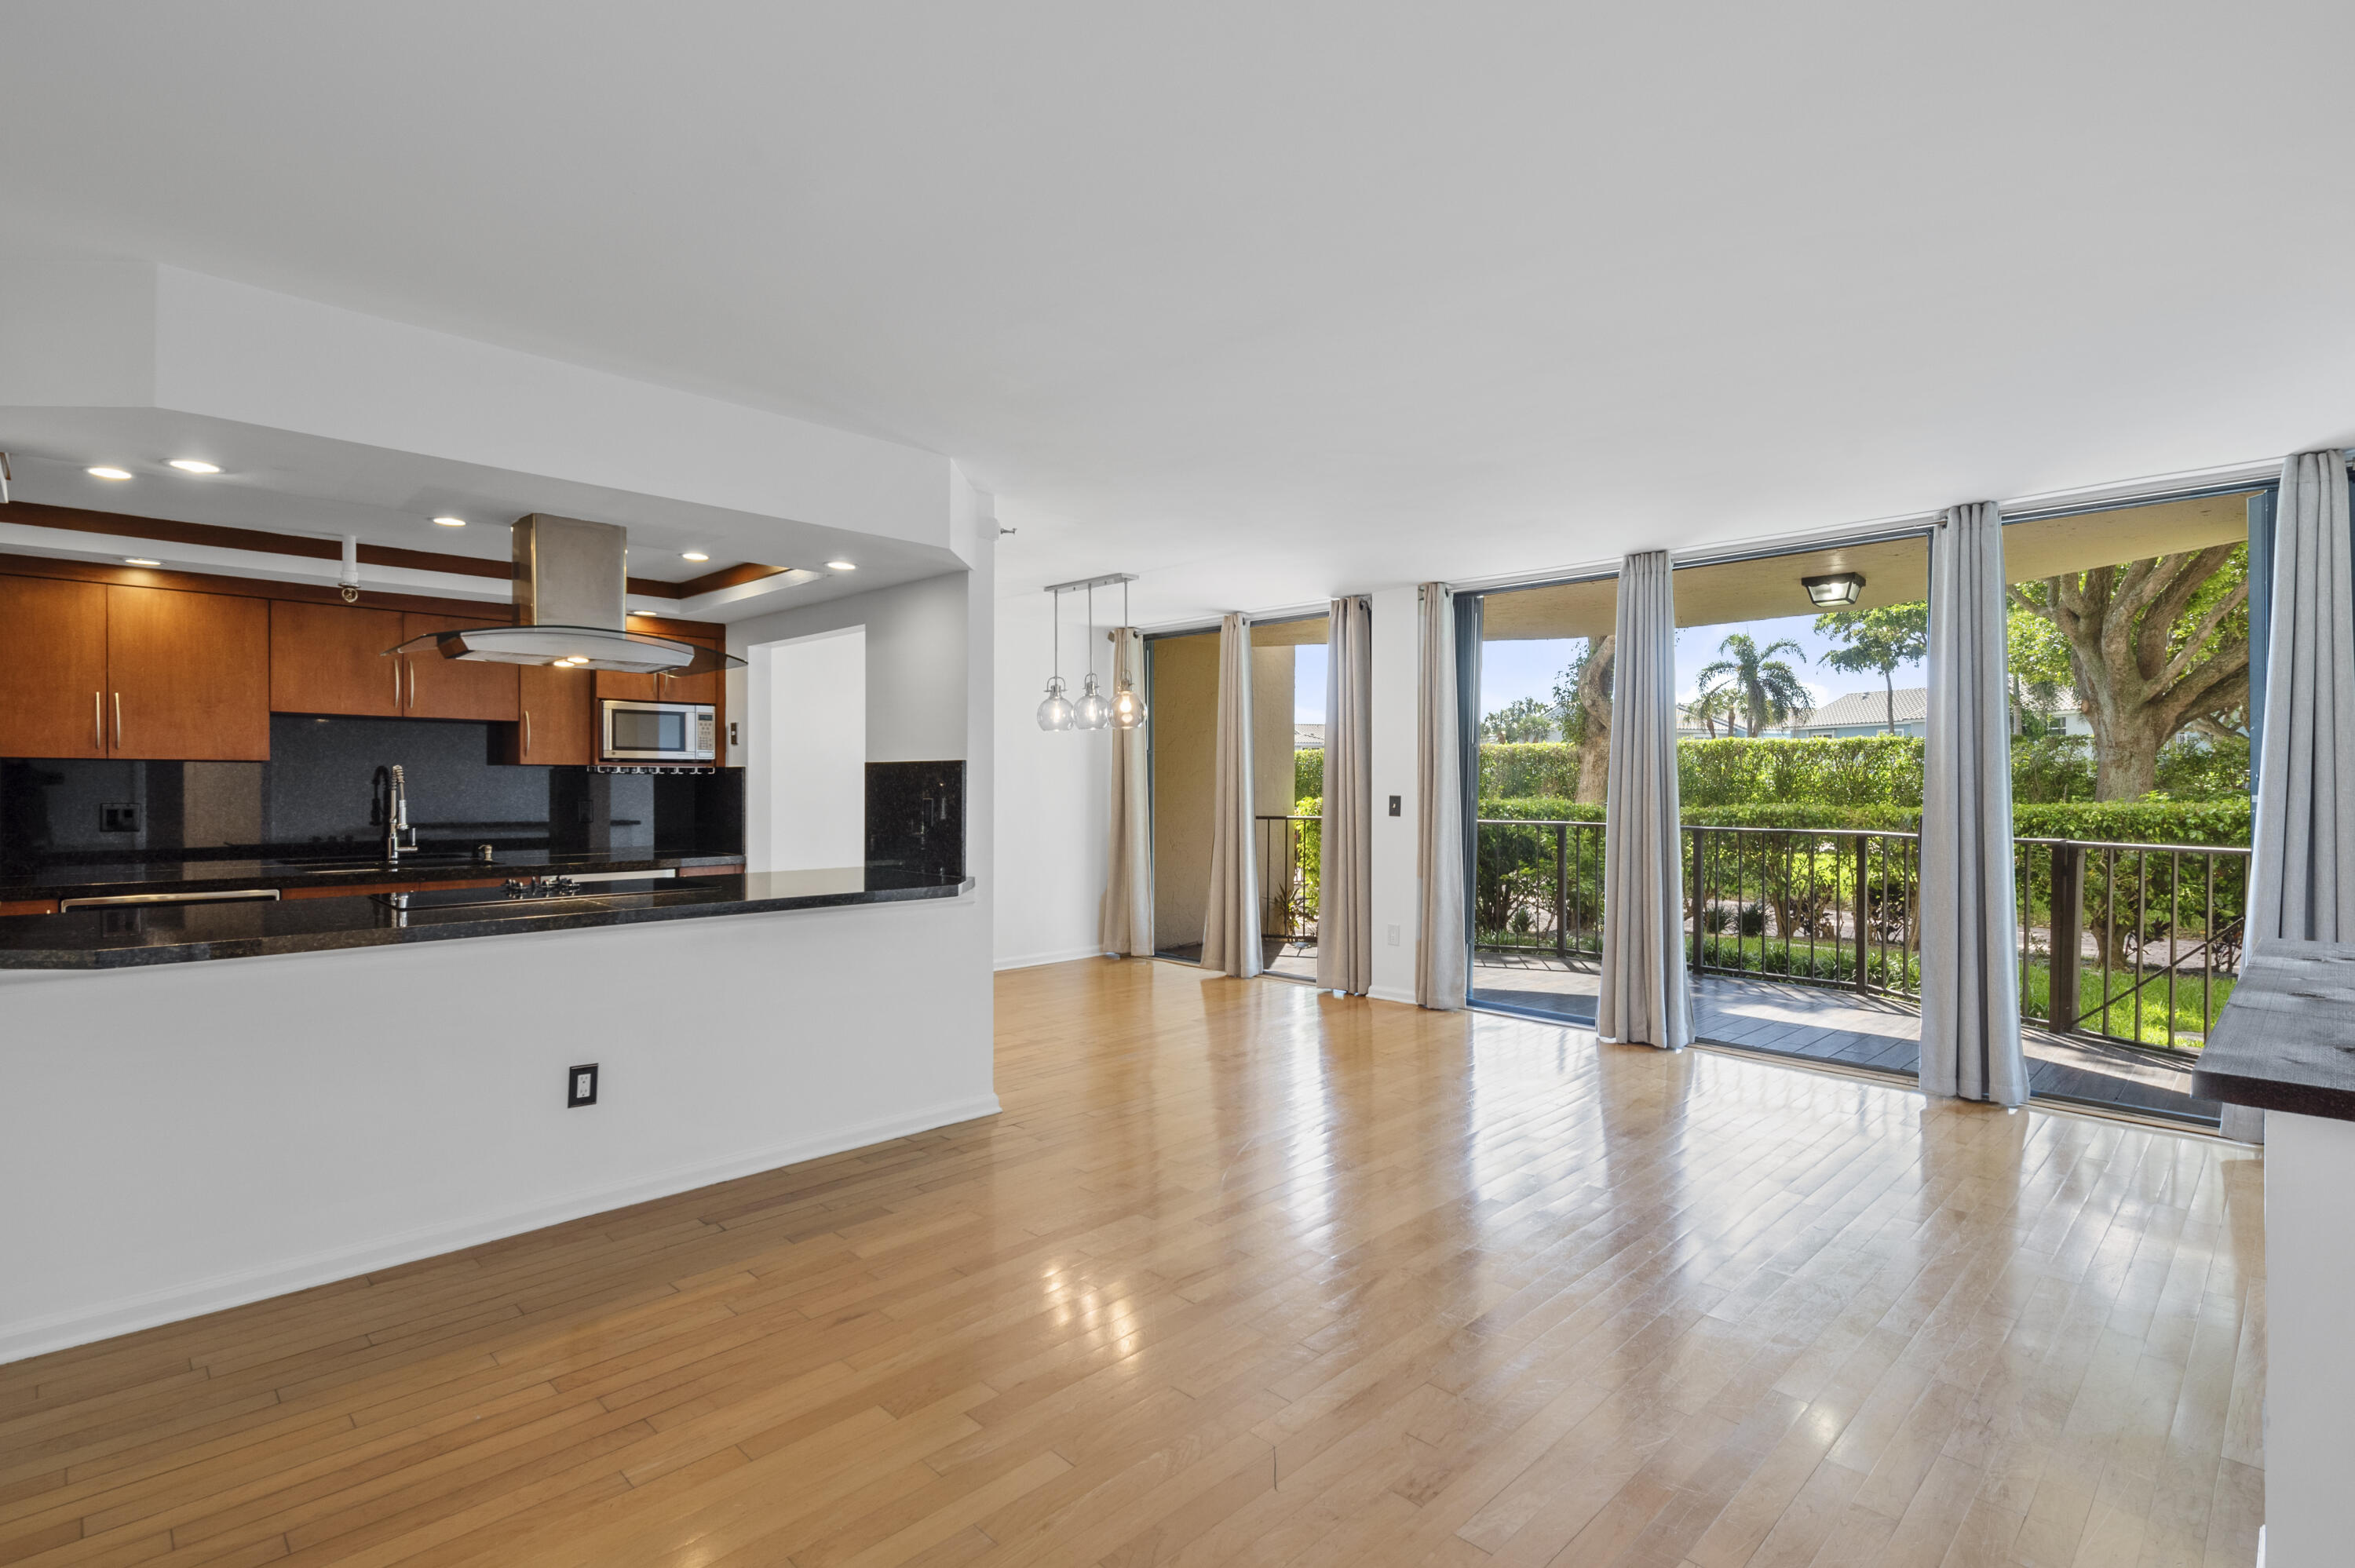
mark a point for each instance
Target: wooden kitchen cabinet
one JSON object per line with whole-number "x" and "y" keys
{"x": 558, "y": 726}
{"x": 456, "y": 688}
{"x": 330, "y": 659}
{"x": 52, "y": 668}
{"x": 188, "y": 675}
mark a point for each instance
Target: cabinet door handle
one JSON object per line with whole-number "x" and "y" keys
{"x": 396, "y": 682}
{"x": 526, "y": 732}
{"x": 98, "y": 720}
{"x": 118, "y": 721}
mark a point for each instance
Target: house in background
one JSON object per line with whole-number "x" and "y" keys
{"x": 1906, "y": 711}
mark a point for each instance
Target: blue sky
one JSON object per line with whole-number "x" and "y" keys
{"x": 1510, "y": 671}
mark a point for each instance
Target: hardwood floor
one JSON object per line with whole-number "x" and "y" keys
{"x": 1248, "y": 1275}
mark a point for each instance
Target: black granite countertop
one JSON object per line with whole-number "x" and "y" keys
{"x": 117, "y": 878}
{"x": 2286, "y": 1040}
{"x": 126, "y": 938}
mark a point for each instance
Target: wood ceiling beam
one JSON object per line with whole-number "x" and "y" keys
{"x": 125, "y": 525}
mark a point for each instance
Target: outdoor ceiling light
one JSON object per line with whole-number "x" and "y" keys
{"x": 842, "y": 566}
{"x": 694, "y": 556}
{"x": 105, "y": 472}
{"x": 140, "y": 561}
{"x": 195, "y": 465}
{"x": 1833, "y": 592}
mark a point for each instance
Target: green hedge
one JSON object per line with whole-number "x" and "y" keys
{"x": 1855, "y": 770}
{"x": 1308, "y": 773}
{"x": 2114, "y": 821}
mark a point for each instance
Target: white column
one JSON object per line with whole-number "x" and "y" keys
{"x": 2309, "y": 1438}
{"x": 1396, "y": 897}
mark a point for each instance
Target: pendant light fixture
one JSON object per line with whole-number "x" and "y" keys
{"x": 1127, "y": 707}
{"x": 1055, "y": 712}
{"x": 1090, "y": 712}
{"x": 1093, "y": 711}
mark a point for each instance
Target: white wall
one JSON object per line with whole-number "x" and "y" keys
{"x": 917, "y": 637}
{"x": 1397, "y": 891}
{"x": 178, "y": 1139}
{"x": 805, "y": 782}
{"x": 1053, "y": 799}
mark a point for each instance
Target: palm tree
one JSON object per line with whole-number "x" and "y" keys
{"x": 1769, "y": 691}
{"x": 1710, "y": 706}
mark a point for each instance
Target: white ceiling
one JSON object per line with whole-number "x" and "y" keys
{"x": 1267, "y": 302}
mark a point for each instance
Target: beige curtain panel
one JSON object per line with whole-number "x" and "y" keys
{"x": 1440, "y": 957}
{"x": 2302, "y": 875}
{"x": 2302, "y": 869}
{"x": 1970, "y": 925}
{"x": 1344, "y": 899}
{"x": 1124, "y": 923}
{"x": 1645, "y": 997}
{"x": 1231, "y": 925}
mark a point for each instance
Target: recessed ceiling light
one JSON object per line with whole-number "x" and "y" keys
{"x": 104, "y": 472}
{"x": 693, "y": 555}
{"x": 842, "y": 566}
{"x": 140, "y": 561}
{"x": 195, "y": 465}
{"x": 451, "y": 522}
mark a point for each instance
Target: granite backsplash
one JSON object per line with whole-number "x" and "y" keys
{"x": 323, "y": 794}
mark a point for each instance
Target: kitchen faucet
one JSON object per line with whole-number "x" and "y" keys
{"x": 396, "y": 819}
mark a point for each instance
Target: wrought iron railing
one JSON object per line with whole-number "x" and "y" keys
{"x": 1538, "y": 887}
{"x": 1804, "y": 904}
{"x": 1290, "y": 852}
{"x": 2158, "y": 927}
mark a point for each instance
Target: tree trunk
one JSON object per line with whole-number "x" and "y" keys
{"x": 1889, "y": 689}
{"x": 2125, "y": 757}
{"x": 1595, "y": 703}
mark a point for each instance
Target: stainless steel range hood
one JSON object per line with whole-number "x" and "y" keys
{"x": 571, "y": 607}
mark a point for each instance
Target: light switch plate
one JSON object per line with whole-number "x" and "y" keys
{"x": 1394, "y": 804}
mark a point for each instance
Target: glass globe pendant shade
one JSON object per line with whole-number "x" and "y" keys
{"x": 1055, "y": 712}
{"x": 1090, "y": 712}
{"x": 1127, "y": 708}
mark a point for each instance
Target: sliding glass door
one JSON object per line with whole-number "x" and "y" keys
{"x": 1288, "y": 676}
{"x": 1544, "y": 663}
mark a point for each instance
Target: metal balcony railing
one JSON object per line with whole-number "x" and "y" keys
{"x": 2150, "y": 934}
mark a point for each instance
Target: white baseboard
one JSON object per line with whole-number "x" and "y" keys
{"x": 128, "y": 1314}
{"x": 1385, "y": 993}
{"x": 1032, "y": 960}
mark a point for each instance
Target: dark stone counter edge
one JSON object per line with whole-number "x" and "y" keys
{"x": 491, "y": 926}
{"x": 2275, "y": 1094}
{"x": 365, "y": 876}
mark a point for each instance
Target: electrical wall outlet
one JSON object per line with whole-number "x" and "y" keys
{"x": 731, "y": 732}
{"x": 1394, "y": 812}
{"x": 580, "y": 1086}
{"x": 119, "y": 817}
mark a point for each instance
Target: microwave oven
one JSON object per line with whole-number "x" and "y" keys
{"x": 656, "y": 732}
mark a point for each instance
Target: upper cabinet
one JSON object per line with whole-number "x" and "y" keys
{"x": 559, "y": 717}
{"x": 457, "y": 688}
{"x": 330, "y": 659}
{"x": 52, "y": 668}
{"x": 104, "y": 670}
{"x": 188, "y": 675}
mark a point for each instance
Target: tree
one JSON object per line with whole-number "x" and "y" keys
{"x": 1581, "y": 701}
{"x": 1524, "y": 719}
{"x": 1712, "y": 707}
{"x": 2156, "y": 647}
{"x": 1876, "y": 643}
{"x": 1770, "y": 689}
